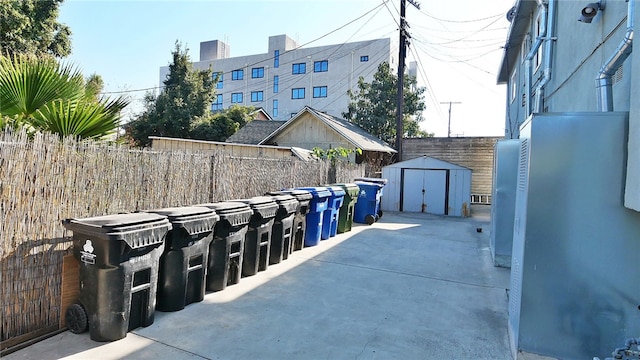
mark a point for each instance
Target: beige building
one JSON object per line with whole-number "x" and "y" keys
{"x": 289, "y": 77}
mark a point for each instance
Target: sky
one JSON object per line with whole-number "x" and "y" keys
{"x": 457, "y": 44}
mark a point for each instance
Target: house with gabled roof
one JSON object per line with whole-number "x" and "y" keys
{"x": 311, "y": 128}
{"x": 255, "y": 131}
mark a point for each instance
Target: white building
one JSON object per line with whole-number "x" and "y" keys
{"x": 287, "y": 78}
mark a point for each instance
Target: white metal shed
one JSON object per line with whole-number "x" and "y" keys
{"x": 427, "y": 185}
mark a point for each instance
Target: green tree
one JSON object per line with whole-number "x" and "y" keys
{"x": 412, "y": 130}
{"x": 43, "y": 95}
{"x": 94, "y": 85}
{"x": 373, "y": 106}
{"x": 31, "y": 27}
{"x": 221, "y": 125}
{"x": 334, "y": 154}
{"x": 185, "y": 99}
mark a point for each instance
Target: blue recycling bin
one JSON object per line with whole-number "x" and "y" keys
{"x": 380, "y": 181}
{"x": 330, "y": 216}
{"x": 367, "y": 208}
{"x": 317, "y": 206}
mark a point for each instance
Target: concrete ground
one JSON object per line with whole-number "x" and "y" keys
{"x": 411, "y": 286}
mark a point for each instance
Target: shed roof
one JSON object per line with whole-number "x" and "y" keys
{"x": 426, "y": 162}
{"x": 354, "y": 134}
{"x": 254, "y": 132}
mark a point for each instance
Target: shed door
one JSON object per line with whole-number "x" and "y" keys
{"x": 424, "y": 191}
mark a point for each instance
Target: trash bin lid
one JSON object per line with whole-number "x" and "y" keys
{"x": 194, "y": 219}
{"x": 318, "y": 192}
{"x": 236, "y": 213}
{"x": 371, "y": 180}
{"x": 336, "y": 191}
{"x": 369, "y": 185}
{"x": 265, "y": 206}
{"x": 350, "y": 188}
{"x": 135, "y": 229}
{"x": 300, "y": 195}
{"x": 287, "y": 204}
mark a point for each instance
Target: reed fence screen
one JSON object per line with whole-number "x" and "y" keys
{"x": 44, "y": 180}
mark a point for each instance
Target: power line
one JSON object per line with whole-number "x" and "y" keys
{"x": 268, "y": 59}
{"x": 462, "y": 21}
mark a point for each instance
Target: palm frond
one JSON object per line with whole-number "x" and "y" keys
{"x": 84, "y": 119}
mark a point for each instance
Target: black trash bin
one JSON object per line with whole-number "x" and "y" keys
{"x": 282, "y": 230}
{"x": 183, "y": 264}
{"x": 226, "y": 250}
{"x": 119, "y": 257}
{"x": 299, "y": 221}
{"x": 258, "y": 238}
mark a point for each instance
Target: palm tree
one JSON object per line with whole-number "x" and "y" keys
{"x": 45, "y": 95}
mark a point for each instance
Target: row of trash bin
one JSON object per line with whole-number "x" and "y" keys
{"x": 164, "y": 259}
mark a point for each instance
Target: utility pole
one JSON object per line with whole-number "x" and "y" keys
{"x": 450, "y": 103}
{"x": 403, "y": 54}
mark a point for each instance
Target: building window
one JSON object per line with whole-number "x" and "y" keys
{"x": 275, "y": 108}
{"x": 237, "y": 74}
{"x": 364, "y": 58}
{"x": 513, "y": 86}
{"x": 276, "y": 59}
{"x": 524, "y": 48}
{"x": 257, "y": 72}
{"x": 297, "y": 93}
{"x": 257, "y": 96}
{"x": 236, "y": 98}
{"x": 276, "y": 83}
{"x": 319, "y": 91}
{"x": 321, "y": 66}
{"x": 299, "y": 68}
{"x": 538, "y": 58}
{"x": 220, "y": 77}
{"x": 217, "y": 105}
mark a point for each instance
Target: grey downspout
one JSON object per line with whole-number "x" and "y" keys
{"x": 534, "y": 49}
{"x": 604, "y": 80}
{"x": 547, "y": 53}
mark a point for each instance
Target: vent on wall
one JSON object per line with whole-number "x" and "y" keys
{"x": 523, "y": 164}
{"x": 617, "y": 76}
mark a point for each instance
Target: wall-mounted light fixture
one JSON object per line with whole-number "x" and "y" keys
{"x": 590, "y": 11}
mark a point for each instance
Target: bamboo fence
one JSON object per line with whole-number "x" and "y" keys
{"x": 44, "y": 180}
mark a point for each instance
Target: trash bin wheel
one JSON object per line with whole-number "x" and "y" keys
{"x": 379, "y": 214}
{"x": 76, "y": 319}
{"x": 370, "y": 219}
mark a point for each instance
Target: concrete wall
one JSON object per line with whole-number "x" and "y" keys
{"x": 475, "y": 153}
{"x": 344, "y": 69}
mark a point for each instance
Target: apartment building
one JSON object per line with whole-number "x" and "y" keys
{"x": 289, "y": 77}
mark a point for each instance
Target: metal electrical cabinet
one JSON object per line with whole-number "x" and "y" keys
{"x": 574, "y": 291}
{"x": 503, "y": 200}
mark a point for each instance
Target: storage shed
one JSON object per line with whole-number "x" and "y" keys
{"x": 427, "y": 185}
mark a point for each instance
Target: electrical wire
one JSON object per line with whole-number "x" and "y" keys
{"x": 461, "y": 21}
{"x": 268, "y": 59}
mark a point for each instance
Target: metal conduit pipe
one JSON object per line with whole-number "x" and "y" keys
{"x": 534, "y": 49}
{"x": 546, "y": 75}
{"x": 604, "y": 80}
